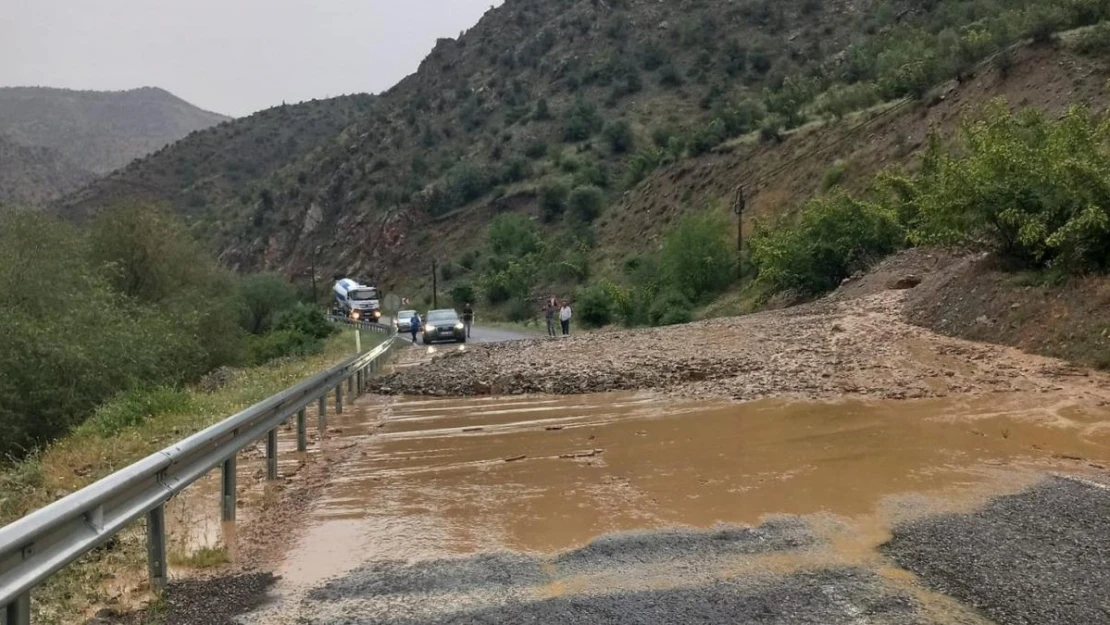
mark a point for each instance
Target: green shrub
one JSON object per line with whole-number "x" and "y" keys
{"x": 553, "y": 199}
{"x": 620, "y": 136}
{"x": 543, "y": 111}
{"x": 133, "y": 407}
{"x": 586, "y": 203}
{"x": 282, "y": 344}
{"x": 834, "y": 175}
{"x": 594, "y": 306}
{"x": 513, "y": 235}
{"x": 535, "y": 148}
{"x": 832, "y": 238}
{"x": 305, "y": 319}
{"x": 698, "y": 258}
{"x": 1096, "y": 40}
{"x": 462, "y": 294}
{"x": 670, "y": 77}
{"x": 583, "y": 121}
{"x": 1035, "y": 191}
{"x": 264, "y": 295}
{"x": 671, "y": 308}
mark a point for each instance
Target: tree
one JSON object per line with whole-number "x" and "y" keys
{"x": 553, "y": 199}
{"x": 264, "y": 295}
{"x": 620, "y": 136}
{"x": 698, "y": 257}
{"x": 543, "y": 112}
{"x": 586, "y": 203}
{"x": 583, "y": 121}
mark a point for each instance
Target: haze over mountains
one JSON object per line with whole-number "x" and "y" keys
{"x": 56, "y": 140}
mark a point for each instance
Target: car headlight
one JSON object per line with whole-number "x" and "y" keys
{"x": 459, "y": 326}
{"x": 429, "y": 328}
{"x": 354, "y": 315}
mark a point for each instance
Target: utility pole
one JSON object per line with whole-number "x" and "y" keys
{"x": 315, "y": 295}
{"x": 435, "y": 287}
{"x": 738, "y": 208}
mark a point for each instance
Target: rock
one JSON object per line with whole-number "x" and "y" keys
{"x": 908, "y": 281}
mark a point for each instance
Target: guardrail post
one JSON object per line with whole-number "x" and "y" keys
{"x": 323, "y": 410}
{"x": 302, "y": 433}
{"x": 18, "y": 612}
{"x": 156, "y": 548}
{"x": 228, "y": 507}
{"x": 351, "y": 388}
{"x": 271, "y": 455}
{"x": 339, "y": 399}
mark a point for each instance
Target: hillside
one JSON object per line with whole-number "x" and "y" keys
{"x": 33, "y": 176}
{"x": 98, "y": 130}
{"x": 223, "y": 165}
{"x": 637, "y": 110}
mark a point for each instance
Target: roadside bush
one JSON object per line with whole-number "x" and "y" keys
{"x": 586, "y": 203}
{"x": 698, "y": 258}
{"x": 133, "y": 407}
{"x": 594, "y": 306}
{"x": 305, "y": 319}
{"x": 671, "y": 308}
{"x": 461, "y": 294}
{"x": 281, "y": 344}
{"x": 1035, "y": 191}
{"x": 264, "y": 295}
{"x": 832, "y": 238}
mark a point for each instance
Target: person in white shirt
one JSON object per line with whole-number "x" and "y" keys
{"x": 565, "y": 314}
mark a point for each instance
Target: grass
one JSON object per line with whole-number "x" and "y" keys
{"x": 203, "y": 558}
{"x": 123, "y": 431}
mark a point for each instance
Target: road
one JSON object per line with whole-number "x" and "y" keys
{"x": 479, "y": 334}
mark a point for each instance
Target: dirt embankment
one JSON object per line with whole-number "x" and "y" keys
{"x": 857, "y": 342}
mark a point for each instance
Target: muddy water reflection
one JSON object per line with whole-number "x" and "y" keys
{"x": 547, "y": 474}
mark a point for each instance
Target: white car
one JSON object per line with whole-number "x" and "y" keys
{"x": 403, "y": 321}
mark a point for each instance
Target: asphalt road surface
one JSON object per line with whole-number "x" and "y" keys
{"x": 478, "y": 334}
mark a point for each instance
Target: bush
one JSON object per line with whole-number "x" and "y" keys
{"x": 133, "y": 407}
{"x": 594, "y": 306}
{"x": 832, "y": 238}
{"x": 620, "y": 136}
{"x": 1035, "y": 191}
{"x": 305, "y": 319}
{"x": 553, "y": 200}
{"x": 698, "y": 258}
{"x": 834, "y": 175}
{"x": 535, "y": 148}
{"x": 543, "y": 111}
{"x": 670, "y": 77}
{"x": 586, "y": 203}
{"x": 583, "y": 121}
{"x": 513, "y": 235}
{"x": 282, "y": 344}
{"x": 462, "y": 294}
{"x": 264, "y": 295}
{"x": 671, "y": 308}
{"x": 1096, "y": 40}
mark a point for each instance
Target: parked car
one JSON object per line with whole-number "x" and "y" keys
{"x": 443, "y": 325}
{"x": 403, "y": 321}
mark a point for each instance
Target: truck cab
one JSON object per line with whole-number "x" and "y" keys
{"x": 357, "y": 301}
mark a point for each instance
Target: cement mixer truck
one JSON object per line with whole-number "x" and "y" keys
{"x": 357, "y": 302}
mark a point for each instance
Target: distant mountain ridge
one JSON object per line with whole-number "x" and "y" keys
{"x": 33, "y": 176}
{"x": 99, "y": 131}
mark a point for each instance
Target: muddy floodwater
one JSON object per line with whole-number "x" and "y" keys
{"x": 435, "y": 478}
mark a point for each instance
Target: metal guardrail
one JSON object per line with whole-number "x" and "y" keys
{"x": 46, "y": 540}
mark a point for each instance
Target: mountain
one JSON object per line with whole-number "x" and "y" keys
{"x": 631, "y": 100}
{"x": 99, "y": 131}
{"x": 33, "y": 176}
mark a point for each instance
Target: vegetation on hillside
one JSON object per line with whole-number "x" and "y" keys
{"x": 98, "y": 131}
{"x": 33, "y": 176}
{"x": 540, "y": 98}
{"x": 1033, "y": 191}
{"x": 130, "y": 303}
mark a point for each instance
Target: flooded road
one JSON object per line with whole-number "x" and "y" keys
{"x": 544, "y": 475}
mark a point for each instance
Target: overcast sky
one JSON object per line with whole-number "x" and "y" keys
{"x": 229, "y": 56}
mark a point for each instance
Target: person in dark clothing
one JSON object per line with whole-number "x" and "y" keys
{"x": 549, "y": 313}
{"x": 468, "y": 318}
{"x": 414, "y": 326}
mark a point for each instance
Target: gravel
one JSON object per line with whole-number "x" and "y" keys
{"x": 662, "y": 577}
{"x": 212, "y": 601}
{"x": 1040, "y": 557}
{"x": 827, "y": 349}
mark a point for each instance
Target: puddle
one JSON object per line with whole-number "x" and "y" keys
{"x": 548, "y": 474}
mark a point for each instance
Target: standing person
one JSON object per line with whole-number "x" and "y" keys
{"x": 549, "y": 311}
{"x": 564, "y": 317}
{"x": 414, "y": 326}
{"x": 468, "y": 317}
